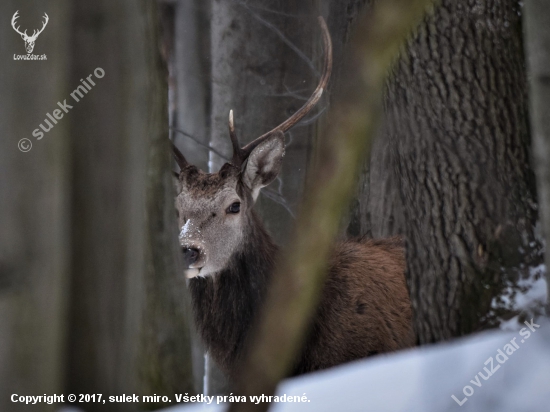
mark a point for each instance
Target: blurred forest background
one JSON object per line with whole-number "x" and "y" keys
{"x": 89, "y": 300}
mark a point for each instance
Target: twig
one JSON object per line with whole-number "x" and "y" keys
{"x": 283, "y": 38}
{"x": 278, "y": 198}
{"x": 206, "y": 146}
{"x": 312, "y": 119}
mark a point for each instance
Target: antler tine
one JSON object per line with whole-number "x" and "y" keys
{"x": 312, "y": 101}
{"x": 237, "y": 159}
{"x": 180, "y": 158}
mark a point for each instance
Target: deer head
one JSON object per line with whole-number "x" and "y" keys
{"x": 215, "y": 209}
{"x": 29, "y": 40}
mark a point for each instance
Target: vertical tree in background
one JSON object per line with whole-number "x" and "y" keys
{"x": 75, "y": 244}
{"x": 34, "y": 242}
{"x": 192, "y": 82}
{"x": 262, "y": 68}
{"x": 117, "y": 129}
{"x": 189, "y": 67}
{"x": 451, "y": 168}
{"x": 165, "y": 352}
{"x": 537, "y": 28}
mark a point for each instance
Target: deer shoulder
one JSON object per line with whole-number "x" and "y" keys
{"x": 364, "y": 308}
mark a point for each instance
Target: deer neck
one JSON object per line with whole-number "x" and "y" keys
{"x": 225, "y": 304}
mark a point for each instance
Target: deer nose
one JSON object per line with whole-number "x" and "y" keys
{"x": 190, "y": 255}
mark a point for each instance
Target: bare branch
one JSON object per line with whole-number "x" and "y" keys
{"x": 194, "y": 139}
{"x": 278, "y": 198}
{"x": 282, "y": 37}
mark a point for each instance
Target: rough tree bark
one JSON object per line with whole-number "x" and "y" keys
{"x": 537, "y": 28}
{"x": 109, "y": 136}
{"x": 375, "y": 195}
{"x": 455, "y": 152}
{"x": 34, "y": 242}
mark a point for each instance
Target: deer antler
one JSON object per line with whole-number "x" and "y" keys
{"x": 37, "y": 32}
{"x": 13, "y": 19}
{"x": 241, "y": 154}
{"x": 234, "y": 142}
{"x": 180, "y": 158}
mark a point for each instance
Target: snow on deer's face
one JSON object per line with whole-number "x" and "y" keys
{"x": 212, "y": 210}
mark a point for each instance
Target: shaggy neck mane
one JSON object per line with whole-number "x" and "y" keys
{"x": 226, "y": 303}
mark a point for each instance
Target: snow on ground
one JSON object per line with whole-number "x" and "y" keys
{"x": 528, "y": 296}
{"x": 531, "y": 292}
{"x": 424, "y": 379}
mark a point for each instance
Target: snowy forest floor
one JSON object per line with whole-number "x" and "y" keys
{"x": 505, "y": 371}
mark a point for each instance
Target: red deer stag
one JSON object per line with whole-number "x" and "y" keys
{"x": 229, "y": 257}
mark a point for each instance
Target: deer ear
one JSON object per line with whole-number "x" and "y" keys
{"x": 264, "y": 163}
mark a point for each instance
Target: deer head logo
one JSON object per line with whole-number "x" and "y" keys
{"x": 29, "y": 40}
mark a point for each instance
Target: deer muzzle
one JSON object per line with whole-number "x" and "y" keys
{"x": 190, "y": 256}
{"x": 194, "y": 260}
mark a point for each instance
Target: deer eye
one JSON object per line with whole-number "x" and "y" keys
{"x": 234, "y": 208}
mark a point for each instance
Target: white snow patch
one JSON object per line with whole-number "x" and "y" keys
{"x": 511, "y": 324}
{"x": 424, "y": 379}
{"x": 528, "y": 294}
{"x": 185, "y": 229}
{"x": 537, "y": 290}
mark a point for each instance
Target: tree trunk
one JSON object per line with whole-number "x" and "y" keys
{"x": 376, "y": 208}
{"x": 189, "y": 65}
{"x": 165, "y": 352}
{"x": 34, "y": 242}
{"x": 458, "y": 180}
{"x": 109, "y": 136}
{"x": 191, "y": 72}
{"x": 537, "y": 29}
